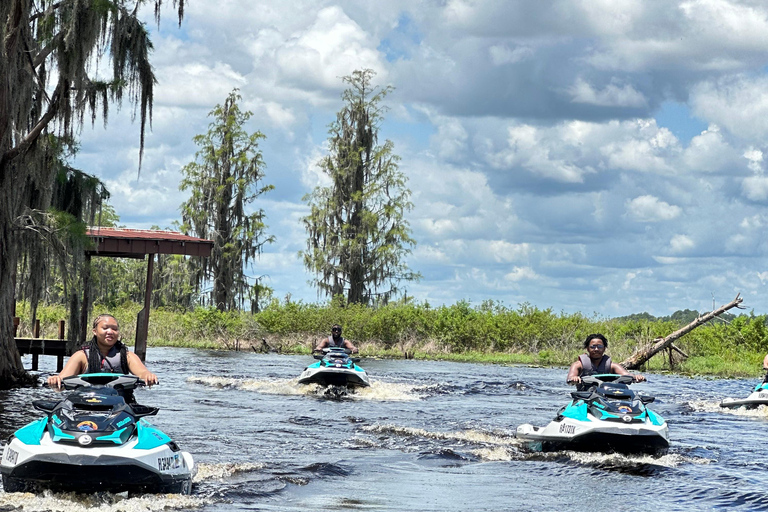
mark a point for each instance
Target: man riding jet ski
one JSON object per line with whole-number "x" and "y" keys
{"x": 335, "y": 368}
{"x": 606, "y": 417}
{"x": 94, "y": 441}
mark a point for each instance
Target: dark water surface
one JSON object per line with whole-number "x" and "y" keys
{"x": 427, "y": 436}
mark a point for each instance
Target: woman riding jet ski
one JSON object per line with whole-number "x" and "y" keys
{"x": 96, "y": 438}
{"x": 94, "y": 441}
{"x": 607, "y": 417}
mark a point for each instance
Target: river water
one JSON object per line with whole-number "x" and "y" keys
{"x": 426, "y": 436}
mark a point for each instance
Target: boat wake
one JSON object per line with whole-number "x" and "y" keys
{"x": 222, "y": 471}
{"x": 103, "y": 502}
{"x": 378, "y": 390}
{"x": 760, "y": 411}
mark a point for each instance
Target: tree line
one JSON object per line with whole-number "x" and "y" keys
{"x": 358, "y": 236}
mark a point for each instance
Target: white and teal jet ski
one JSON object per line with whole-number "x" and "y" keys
{"x": 94, "y": 441}
{"x": 606, "y": 417}
{"x": 758, "y": 397}
{"x": 335, "y": 368}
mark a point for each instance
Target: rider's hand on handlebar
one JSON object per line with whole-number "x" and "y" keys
{"x": 54, "y": 382}
{"x": 149, "y": 377}
{"x": 574, "y": 380}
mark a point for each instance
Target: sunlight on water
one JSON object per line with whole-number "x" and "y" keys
{"x": 473, "y": 436}
{"x": 760, "y": 411}
{"x": 224, "y": 470}
{"x": 378, "y": 390}
{"x": 106, "y": 502}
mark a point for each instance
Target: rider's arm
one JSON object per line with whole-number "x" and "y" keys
{"x": 573, "y": 373}
{"x": 136, "y": 367}
{"x": 765, "y": 363}
{"x": 321, "y": 344}
{"x": 75, "y": 366}
{"x": 349, "y": 345}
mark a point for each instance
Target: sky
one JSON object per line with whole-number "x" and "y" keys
{"x": 595, "y": 156}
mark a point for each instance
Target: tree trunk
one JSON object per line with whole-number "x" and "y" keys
{"x": 643, "y": 354}
{"x": 12, "y": 372}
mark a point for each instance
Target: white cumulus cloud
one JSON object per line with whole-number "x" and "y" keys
{"x": 648, "y": 208}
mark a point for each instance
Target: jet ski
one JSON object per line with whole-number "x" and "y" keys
{"x": 94, "y": 441}
{"x": 605, "y": 417}
{"x": 758, "y": 397}
{"x": 335, "y": 368}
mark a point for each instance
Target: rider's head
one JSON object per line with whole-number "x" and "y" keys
{"x": 106, "y": 330}
{"x": 596, "y": 339}
{"x": 336, "y": 330}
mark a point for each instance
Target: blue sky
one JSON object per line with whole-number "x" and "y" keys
{"x": 581, "y": 155}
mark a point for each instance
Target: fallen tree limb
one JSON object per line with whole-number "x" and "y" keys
{"x": 678, "y": 351}
{"x": 643, "y": 354}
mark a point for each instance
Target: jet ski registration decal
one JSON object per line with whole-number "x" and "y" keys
{"x": 166, "y": 463}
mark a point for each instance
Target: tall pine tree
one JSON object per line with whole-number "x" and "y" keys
{"x": 224, "y": 179}
{"x": 358, "y": 234}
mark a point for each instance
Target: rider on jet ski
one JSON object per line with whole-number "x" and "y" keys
{"x": 335, "y": 340}
{"x": 595, "y": 362}
{"x": 104, "y": 354}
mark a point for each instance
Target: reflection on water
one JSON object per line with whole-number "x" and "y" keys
{"x": 425, "y": 436}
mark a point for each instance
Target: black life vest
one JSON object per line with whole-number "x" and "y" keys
{"x": 588, "y": 368}
{"x": 115, "y": 362}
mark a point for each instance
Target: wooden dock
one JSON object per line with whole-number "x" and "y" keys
{"x": 43, "y": 347}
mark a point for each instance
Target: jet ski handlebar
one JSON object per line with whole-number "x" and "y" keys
{"x": 334, "y": 350}
{"x": 110, "y": 380}
{"x": 608, "y": 377}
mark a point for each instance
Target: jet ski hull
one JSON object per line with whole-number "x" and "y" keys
{"x": 62, "y": 467}
{"x": 606, "y": 417}
{"x": 757, "y": 398}
{"x": 335, "y": 368}
{"x": 573, "y": 435}
{"x": 94, "y": 441}
{"x": 326, "y": 376}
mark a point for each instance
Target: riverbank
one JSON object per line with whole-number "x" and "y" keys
{"x": 489, "y": 333}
